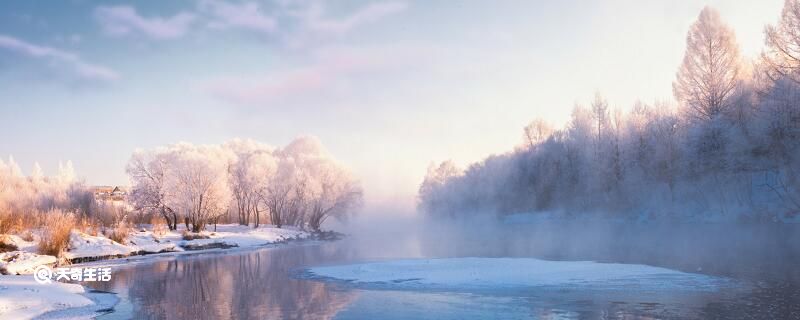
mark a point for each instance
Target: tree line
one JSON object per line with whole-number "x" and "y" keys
{"x": 299, "y": 184}
{"x": 730, "y": 146}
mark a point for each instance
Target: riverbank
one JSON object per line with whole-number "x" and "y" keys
{"x": 21, "y": 297}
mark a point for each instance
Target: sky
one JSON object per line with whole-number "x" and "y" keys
{"x": 388, "y": 86}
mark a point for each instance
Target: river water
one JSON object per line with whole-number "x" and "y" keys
{"x": 269, "y": 283}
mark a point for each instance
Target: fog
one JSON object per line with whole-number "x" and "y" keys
{"x": 748, "y": 251}
{"x": 708, "y": 184}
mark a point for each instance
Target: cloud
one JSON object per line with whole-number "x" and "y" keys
{"x": 330, "y": 67}
{"x": 269, "y": 88}
{"x": 370, "y": 13}
{"x": 246, "y": 15}
{"x": 124, "y": 20}
{"x": 301, "y": 21}
{"x": 59, "y": 57}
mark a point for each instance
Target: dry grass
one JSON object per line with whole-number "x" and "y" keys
{"x": 119, "y": 232}
{"x": 6, "y": 245}
{"x": 159, "y": 227}
{"x": 10, "y": 223}
{"x": 55, "y": 233}
{"x": 27, "y": 235}
{"x": 192, "y": 236}
{"x": 88, "y": 226}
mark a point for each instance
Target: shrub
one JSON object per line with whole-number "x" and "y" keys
{"x": 56, "y": 232}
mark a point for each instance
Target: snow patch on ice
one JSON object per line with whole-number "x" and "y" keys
{"x": 488, "y": 273}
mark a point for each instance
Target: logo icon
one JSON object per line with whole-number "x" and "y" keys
{"x": 43, "y": 274}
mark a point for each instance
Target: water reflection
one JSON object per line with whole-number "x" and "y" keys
{"x": 243, "y": 285}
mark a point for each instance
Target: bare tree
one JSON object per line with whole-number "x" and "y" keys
{"x": 336, "y": 195}
{"x": 781, "y": 58}
{"x": 600, "y": 114}
{"x": 537, "y": 132}
{"x": 147, "y": 172}
{"x": 709, "y": 74}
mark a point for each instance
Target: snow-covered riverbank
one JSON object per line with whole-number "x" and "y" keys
{"x": 21, "y": 297}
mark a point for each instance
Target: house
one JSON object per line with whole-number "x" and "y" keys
{"x": 118, "y": 192}
{"x": 109, "y": 192}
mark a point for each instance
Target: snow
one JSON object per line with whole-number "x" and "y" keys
{"x": 488, "y": 273}
{"x": 87, "y": 246}
{"x": 149, "y": 243}
{"x": 21, "y": 297}
{"x": 21, "y": 244}
{"x": 82, "y": 245}
{"x": 21, "y": 262}
{"x": 245, "y": 236}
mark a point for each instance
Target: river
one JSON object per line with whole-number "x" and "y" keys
{"x": 269, "y": 283}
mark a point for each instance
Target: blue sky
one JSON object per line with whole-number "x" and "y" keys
{"x": 388, "y": 86}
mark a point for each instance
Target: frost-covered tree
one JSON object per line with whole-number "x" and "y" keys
{"x": 181, "y": 180}
{"x": 198, "y": 183}
{"x": 600, "y": 114}
{"x": 433, "y": 196}
{"x": 723, "y": 150}
{"x": 781, "y": 57}
{"x": 252, "y": 169}
{"x": 300, "y": 184}
{"x": 536, "y": 132}
{"x": 710, "y": 72}
{"x": 148, "y": 171}
{"x": 333, "y": 193}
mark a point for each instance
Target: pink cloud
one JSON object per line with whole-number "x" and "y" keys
{"x": 332, "y": 66}
{"x": 124, "y": 20}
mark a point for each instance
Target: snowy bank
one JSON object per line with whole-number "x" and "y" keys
{"x": 245, "y": 236}
{"x": 84, "y": 247}
{"x": 21, "y": 262}
{"x": 21, "y": 297}
{"x": 489, "y": 273}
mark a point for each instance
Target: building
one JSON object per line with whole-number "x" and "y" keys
{"x": 109, "y": 192}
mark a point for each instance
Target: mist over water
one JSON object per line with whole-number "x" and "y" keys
{"x": 758, "y": 260}
{"x": 761, "y": 251}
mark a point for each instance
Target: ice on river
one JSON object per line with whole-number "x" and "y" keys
{"x": 489, "y": 273}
